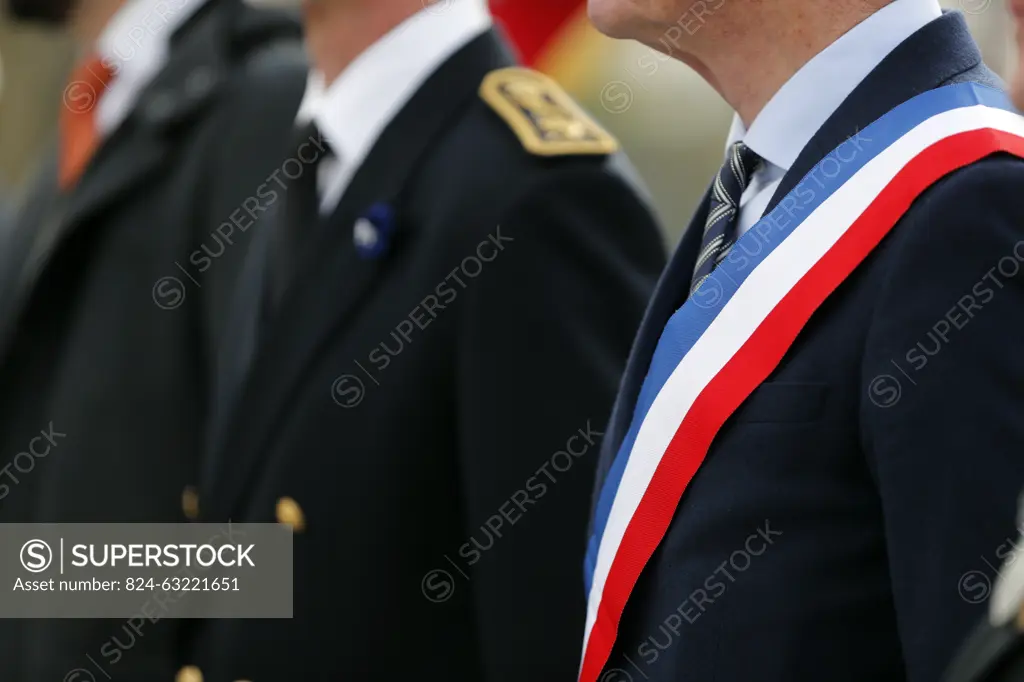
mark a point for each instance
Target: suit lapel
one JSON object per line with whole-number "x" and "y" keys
{"x": 122, "y": 165}
{"x": 125, "y": 161}
{"x": 669, "y": 295}
{"x": 937, "y": 54}
{"x": 335, "y": 281}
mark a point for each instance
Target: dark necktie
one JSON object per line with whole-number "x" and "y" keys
{"x": 723, "y": 209}
{"x": 300, "y": 211}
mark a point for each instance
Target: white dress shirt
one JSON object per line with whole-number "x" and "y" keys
{"x": 353, "y": 110}
{"x": 135, "y": 44}
{"x": 802, "y": 105}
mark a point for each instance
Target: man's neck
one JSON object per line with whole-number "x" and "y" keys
{"x": 91, "y": 17}
{"x": 747, "y": 73}
{"x": 337, "y": 33}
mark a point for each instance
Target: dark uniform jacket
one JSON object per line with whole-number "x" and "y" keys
{"x": 108, "y": 315}
{"x": 826, "y": 533}
{"x": 425, "y": 408}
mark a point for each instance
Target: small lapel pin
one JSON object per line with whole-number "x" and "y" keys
{"x": 373, "y": 231}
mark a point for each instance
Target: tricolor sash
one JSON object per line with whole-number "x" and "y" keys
{"x": 736, "y": 328}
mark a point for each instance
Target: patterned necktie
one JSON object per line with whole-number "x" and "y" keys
{"x": 79, "y": 134}
{"x": 720, "y": 228}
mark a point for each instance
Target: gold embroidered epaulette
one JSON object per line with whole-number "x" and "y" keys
{"x": 546, "y": 120}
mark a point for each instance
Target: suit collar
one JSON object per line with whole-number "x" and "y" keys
{"x": 354, "y": 109}
{"x": 334, "y": 280}
{"x": 800, "y": 107}
{"x": 196, "y": 68}
{"x": 933, "y": 56}
{"x": 135, "y": 44}
{"x": 405, "y": 141}
{"x": 203, "y": 53}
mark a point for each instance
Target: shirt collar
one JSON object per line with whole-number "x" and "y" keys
{"x": 353, "y": 110}
{"x": 136, "y": 40}
{"x": 803, "y": 104}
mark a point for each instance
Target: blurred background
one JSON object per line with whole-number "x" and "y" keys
{"x": 672, "y": 125}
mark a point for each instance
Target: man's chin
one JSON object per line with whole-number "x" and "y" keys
{"x": 639, "y": 20}
{"x": 612, "y": 18}
{"x": 48, "y": 12}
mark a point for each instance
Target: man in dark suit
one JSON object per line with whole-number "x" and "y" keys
{"x": 113, "y": 282}
{"x": 821, "y": 527}
{"x": 436, "y": 347}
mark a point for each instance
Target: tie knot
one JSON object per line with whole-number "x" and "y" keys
{"x": 744, "y": 161}
{"x": 309, "y": 142}
{"x": 88, "y": 82}
{"x": 723, "y": 207}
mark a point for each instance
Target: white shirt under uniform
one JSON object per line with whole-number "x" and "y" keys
{"x": 353, "y": 110}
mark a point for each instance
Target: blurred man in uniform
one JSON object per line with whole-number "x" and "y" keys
{"x": 441, "y": 317}
{"x": 113, "y": 280}
{"x": 819, "y": 431}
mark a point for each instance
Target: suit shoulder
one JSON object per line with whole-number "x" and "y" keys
{"x": 269, "y": 68}
{"x": 979, "y": 197}
{"x": 996, "y": 177}
{"x": 480, "y": 164}
{"x": 512, "y": 143}
{"x": 256, "y": 31}
{"x": 266, "y": 50}
{"x": 956, "y": 231}
{"x": 544, "y": 119}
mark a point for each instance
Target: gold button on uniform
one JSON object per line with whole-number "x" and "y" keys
{"x": 189, "y": 673}
{"x": 190, "y": 502}
{"x": 290, "y": 514}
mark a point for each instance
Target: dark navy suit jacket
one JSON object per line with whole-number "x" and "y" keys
{"x": 847, "y": 519}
